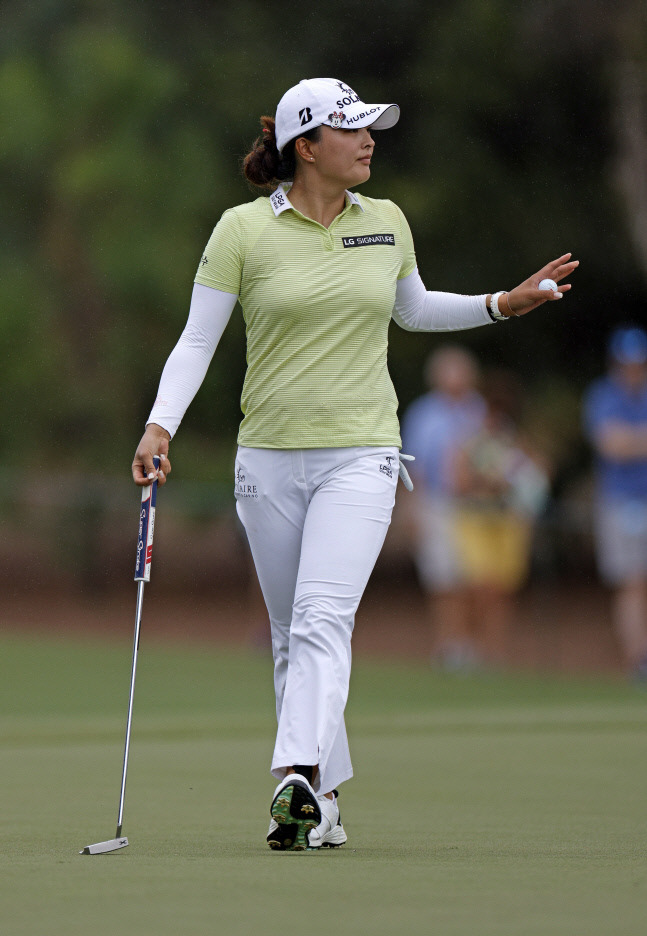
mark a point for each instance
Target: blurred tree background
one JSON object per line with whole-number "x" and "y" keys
{"x": 523, "y": 135}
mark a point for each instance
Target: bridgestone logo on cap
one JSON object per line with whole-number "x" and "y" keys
{"x": 368, "y": 240}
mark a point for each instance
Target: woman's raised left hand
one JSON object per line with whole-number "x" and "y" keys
{"x": 526, "y": 296}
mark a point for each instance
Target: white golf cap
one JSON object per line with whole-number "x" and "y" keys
{"x": 317, "y": 101}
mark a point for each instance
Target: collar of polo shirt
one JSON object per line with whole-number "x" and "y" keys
{"x": 280, "y": 202}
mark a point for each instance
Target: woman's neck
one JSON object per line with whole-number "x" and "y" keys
{"x": 318, "y": 202}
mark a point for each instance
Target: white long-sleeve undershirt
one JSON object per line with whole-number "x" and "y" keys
{"x": 415, "y": 309}
{"x": 188, "y": 362}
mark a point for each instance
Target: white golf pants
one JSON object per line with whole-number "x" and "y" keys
{"x": 316, "y": 520}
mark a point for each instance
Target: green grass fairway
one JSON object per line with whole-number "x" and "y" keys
{"x": 480, "y": 806}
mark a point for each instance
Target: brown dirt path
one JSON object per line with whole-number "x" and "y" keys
{"x": 560, "y": 629}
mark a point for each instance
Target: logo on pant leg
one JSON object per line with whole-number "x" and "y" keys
{"x": 388, "y": 468}
{"x": 242, "y": 489}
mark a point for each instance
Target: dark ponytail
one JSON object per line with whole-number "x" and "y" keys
{"x": 264, "y": 166}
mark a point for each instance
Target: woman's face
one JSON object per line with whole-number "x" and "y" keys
{"x": 343, "y": 156}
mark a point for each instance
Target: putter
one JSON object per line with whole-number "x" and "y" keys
{"x": 142, "y": 575}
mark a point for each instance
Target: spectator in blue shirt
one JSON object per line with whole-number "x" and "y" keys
{"x": 434, "y": 429}
{"x": 615, "y": 414}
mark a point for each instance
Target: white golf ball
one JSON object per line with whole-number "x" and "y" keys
{"x": 548, "y": 284}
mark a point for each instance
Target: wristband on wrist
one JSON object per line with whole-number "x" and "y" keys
{"x": 493, "y": 309}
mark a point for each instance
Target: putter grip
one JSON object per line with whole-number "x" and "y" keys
{"x": 146, "y": 530}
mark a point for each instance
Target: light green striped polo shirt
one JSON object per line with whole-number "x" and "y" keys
{"x": 317, "y": 304}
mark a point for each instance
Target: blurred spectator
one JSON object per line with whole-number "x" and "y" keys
{"x": 500, "y": 489}
{"x": 434, "y": 428}
{"x": 615, "y": 413}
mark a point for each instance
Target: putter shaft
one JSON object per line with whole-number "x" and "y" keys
{"x": 142, "y": 575}
{"x": 131, "y": 695}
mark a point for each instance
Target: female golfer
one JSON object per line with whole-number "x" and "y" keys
{"x": 319, "y": 272}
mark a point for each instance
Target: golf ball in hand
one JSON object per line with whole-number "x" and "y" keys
{"x": 548, "y": 284}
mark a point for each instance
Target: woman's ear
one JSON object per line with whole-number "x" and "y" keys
{"x": 303, "y": 148}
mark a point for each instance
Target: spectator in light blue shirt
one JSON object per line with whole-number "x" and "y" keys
{"x": 434, "y": 429}
{"x": 615, "y": 419}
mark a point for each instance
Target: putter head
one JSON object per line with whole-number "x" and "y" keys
{"x": 102, "y": 847}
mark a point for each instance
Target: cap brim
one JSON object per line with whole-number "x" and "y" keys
{"x": 364, "y": 115}
{"x": 388, "y": 118}
{"x": 629, "y": 358}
